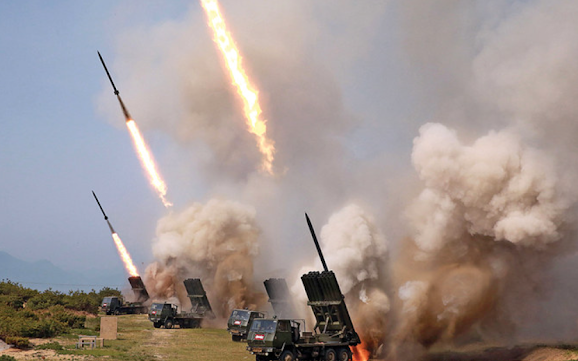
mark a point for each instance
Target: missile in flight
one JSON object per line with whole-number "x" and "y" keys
{"x": 104, "y": 214}
{"x": 116, "y": 92}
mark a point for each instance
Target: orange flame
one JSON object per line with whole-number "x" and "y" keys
{"x": 360, "y": 352}
{"x": 124, "y": 255}
{"x": 247, "y": 91}
{"x": 147, "y": 162}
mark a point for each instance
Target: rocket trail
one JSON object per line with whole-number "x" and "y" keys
{"x": 124, "y": 255}
{"x": 248, "y": 92}
{"x": 141, "y": 148}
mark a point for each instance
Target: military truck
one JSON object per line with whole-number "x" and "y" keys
{"x": 114, "y": 305}
{"x": 333, "y": 333}
{"x": 167, "y": 314}
{"x": 287, "y": 340}
{"x": 240, "y": 321}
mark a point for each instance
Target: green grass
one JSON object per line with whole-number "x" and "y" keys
{"x": 138, "y": 340}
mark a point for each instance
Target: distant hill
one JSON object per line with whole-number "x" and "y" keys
{"x": 43, "y": 274}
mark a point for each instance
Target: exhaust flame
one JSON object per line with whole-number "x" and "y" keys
{"x": 247, "y": 91}
{"x": 360, "y": 353}
{"x": 147, "y": 162}
{"x": 128, "y": 264}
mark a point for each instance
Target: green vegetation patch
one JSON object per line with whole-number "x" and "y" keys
{"x": 29, "y": 313}
{"x": 49, "y": 346}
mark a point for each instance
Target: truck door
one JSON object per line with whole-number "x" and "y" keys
{"x": 284, "y": 335}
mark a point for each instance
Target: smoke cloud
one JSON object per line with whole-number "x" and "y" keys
{"x": 216, "y": 242}
{"x": 485, "y": 229}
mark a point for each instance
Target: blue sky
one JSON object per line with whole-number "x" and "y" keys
{"x": 54, "y": 147}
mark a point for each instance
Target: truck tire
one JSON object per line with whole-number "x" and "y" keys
{"x": 330, "y": 355}
{"x": 157, "y": 324}
{"x": 168, "y": 324}
{"x": 237, "y": 338}
{"x": 116, "y": 312}
{"x": 344, "y": 354}
{"x": 287, "y": 355}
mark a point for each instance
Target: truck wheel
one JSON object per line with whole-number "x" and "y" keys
{"x": 287, "y": 356}
{"x": 344, "y": 354}
{"x": 168, "y": 324}
{"x": 157, "y": 324}
{"x": 116, "y": 312}
{"x": 237, "y": 338}
{"x": 330, "y": 355}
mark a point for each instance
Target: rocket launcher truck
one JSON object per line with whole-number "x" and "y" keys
{"x": 167, "y": 314}
{"x": 285, "y": 339}
{"x": 114, "y": 305}
{"x": 241, "y": 319}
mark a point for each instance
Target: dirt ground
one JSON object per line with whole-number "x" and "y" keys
{"x": 516, "y": 353}
{"x": 38, "y": 354}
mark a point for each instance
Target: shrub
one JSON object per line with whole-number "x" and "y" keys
{"x": 7, "y": 358}
{"x": 50, "y": 346}
{"x": 46, "y": 299}
{"x": 18, "y": 342}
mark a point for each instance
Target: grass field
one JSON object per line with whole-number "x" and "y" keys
{"x": 139, "y": 341}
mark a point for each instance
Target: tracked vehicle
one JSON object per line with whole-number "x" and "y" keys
{"x": 286, "y": 339}
{"x": 167, "y": 314}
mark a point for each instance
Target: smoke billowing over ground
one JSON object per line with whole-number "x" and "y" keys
{"x": 434, "y": 147}
{"x": 216, "y": 242}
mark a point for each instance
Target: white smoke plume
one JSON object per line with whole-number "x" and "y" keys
{"x": 495, "y": 188}
{"x": 484, "y": 228}
{"x": 216, "y": 242}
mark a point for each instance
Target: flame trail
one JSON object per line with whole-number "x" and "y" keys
{"x": 128, "y": 264}
{"x": 246, "y": 90}
{"x": 143, "y": 153}
{"x": 124, "y": 255}
{"x": 147, "y": 162}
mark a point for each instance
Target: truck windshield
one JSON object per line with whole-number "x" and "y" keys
{"x": 263, "y": 325}
{"x": 156, "y": 306}
{"x": 106, "y": 301}
{"x": 240, "y": 315}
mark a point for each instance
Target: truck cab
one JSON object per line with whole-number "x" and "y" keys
{"x": 269, "y": 338}
{"x": 110, "y": 305}
{"x": 162, "y": 314}
{"x": 240, "y": 322}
